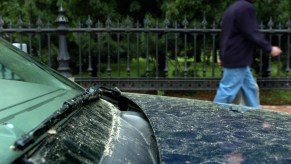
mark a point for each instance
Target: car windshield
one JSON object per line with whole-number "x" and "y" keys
{"x": 15, "y": 65}
{"x": 23, "y": 79}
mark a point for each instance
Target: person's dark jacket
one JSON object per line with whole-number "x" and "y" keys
{"x": 240, "y": 35}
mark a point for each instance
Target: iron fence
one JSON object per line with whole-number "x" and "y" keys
{"x": 144, "y": 56}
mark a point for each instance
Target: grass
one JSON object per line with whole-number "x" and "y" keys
{"x": 275, "y": 97}
{"x": 171, "y": 67}
{"x": 141, "y": 70}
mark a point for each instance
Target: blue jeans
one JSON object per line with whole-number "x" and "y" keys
{"x": 234, "y": 80}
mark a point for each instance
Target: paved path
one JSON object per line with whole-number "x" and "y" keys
{"x": 279, "y": 108}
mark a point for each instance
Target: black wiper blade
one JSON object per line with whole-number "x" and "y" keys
{"x": 68, "y": 107}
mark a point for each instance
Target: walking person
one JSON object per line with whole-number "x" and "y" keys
{"x": 239, "y": 36}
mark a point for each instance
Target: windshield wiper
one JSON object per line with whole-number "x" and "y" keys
{"x": 68, "y": 107}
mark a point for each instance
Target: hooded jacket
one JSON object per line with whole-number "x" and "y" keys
{"x": 240, "y": 35}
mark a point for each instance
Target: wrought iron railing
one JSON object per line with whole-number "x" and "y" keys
{"x": 144, "y": 56}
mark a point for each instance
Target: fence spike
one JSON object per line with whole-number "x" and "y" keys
{"x": 185, "y": 22}
{"x": 213, "y": 25}
{"x": 61, "y": 9}
{"x": 19, "y": 22}
{"x": 48, "y": 24}
{"x": 39, "y": 23}
{"x": 61, "y": 17}
{"x": 204, "y": 22}
{"x": 89, "y": 21}
{"x": 80, "y": 24}
{"x": 147, "y": 22}
{"x": 175, "y": 24}
{"x": 157, "y": 24}
{"x": 270, "y": 23}
{"x": 99, "y": 24}
{"x": 10, "y": 24}
{"x": 137, "y": 24}
{"x": 195, "y": 24}
{"x": 127, "y": 22}
{"x": 280, "y": 26}
{"x": 166, "y": 22}
{"x": 29, "y": 25}
{"x": 108, "y": 22}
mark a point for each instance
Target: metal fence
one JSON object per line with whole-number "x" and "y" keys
{"x": 144, "y": 56}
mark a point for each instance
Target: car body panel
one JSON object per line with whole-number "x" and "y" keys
{"x": 193, "y": 131}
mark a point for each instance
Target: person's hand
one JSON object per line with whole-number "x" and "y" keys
{"x": 276, "y": 51}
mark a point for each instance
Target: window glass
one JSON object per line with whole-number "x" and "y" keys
{"x": 17, "y": 65}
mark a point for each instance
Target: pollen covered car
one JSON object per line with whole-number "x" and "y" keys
{"x": 46, "y": 118}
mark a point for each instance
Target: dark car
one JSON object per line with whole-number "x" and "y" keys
{"x": 46, "y": 118}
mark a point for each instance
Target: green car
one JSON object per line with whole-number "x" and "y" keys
{"x": 46, "y": 118}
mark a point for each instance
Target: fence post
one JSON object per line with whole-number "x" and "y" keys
{"x": 63, "y": 56}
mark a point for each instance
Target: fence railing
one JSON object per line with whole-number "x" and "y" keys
{"x": 144, "y": 56}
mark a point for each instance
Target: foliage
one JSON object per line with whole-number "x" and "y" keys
{"x": 77, "y": 11}
{"x": 279, "y": 12}
{"x": 195, "y": 10}
{"x": 95, "y": 13}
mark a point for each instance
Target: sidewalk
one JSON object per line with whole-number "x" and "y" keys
{"x": 279, "y": 108}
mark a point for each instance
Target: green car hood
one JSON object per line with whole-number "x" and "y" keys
{"x": 23, "y": 106}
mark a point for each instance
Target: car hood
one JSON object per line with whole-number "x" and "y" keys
{"x": 23, "y": 106}
{"x": 196, "y": 131}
